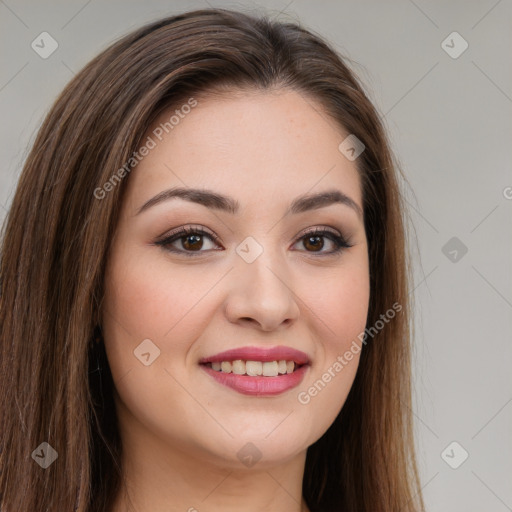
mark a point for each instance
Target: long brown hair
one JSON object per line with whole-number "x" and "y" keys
{"x": 56, "y": 243}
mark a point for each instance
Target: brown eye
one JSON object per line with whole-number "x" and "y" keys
{"x": 188, "y": 240}
{"x": 314, "y": 242}
{"x": 192, "y": 242}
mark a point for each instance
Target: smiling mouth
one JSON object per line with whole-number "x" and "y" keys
{"x": 255, "y": 368}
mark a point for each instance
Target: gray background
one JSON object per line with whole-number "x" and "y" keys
{"x": 450, "y": 124}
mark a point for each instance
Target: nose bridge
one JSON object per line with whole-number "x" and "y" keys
{"x": 262, "y": 290}
{"x": 260, "y": 273}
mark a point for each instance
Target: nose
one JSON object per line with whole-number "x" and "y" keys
{"x": 262, "y": 294}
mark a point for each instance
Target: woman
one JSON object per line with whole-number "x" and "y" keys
{"x": 204, "y": 284}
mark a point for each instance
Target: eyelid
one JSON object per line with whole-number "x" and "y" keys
{"x": 319, "y": 229}
{"x": 190, "y": 228}
{"x": 339, "y": 240}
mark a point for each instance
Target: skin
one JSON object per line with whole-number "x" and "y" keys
{"x": 181, "y": 430}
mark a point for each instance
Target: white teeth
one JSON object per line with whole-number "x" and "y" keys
{"x": 270, "y": 369}
{"x": 255, "y": 368}
{"x": 238, "y": 367}
{"x": 225, "y": 366}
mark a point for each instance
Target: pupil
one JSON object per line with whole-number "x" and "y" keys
{"x": 191, "y": 240}
{"x": 315, "y": 241}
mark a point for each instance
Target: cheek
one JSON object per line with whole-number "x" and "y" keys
{"x": 339, "y": 303}
{"x": 150, "y": 295}
{"x": 150, "y": 298}
{"x": 339, "y": 312}
{"x": 345, "y": 308}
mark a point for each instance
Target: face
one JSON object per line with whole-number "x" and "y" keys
{"x": 282, "y": 278}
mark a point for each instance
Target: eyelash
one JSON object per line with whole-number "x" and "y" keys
{"x": 339, "y": 241}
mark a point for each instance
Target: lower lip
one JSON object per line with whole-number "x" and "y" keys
{"x": 258, "y": 386}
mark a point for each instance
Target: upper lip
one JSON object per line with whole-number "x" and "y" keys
{"x": 263, "y": 354}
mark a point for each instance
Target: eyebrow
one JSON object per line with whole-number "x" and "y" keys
{"x": 227, "y": 204}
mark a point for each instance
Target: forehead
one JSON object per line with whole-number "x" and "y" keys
{"x": 260, "y": 147}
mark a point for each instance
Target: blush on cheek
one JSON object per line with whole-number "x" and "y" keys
{"x": 143, "y": 300}
{"x": 158, "y": 302}
{"x": 342, "y": 310}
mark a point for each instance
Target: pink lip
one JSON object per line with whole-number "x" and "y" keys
{"x": 258, "y": 386}
{"x": 259, "y": 354}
